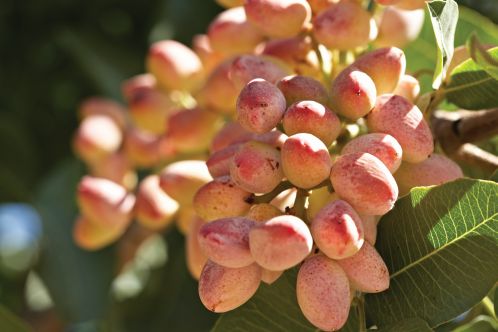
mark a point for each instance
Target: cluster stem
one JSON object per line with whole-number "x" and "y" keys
{"x": 299, "y": 208}
{"x": 360, "y": 309}
{"x": 266, "y": 198}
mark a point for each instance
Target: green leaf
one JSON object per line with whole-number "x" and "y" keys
{"x": 479, "y": 324}
{"x": 421, "y": 53}
{"x": 170, "y": 301}
{"x": 471, "y": 87}
{"x": 10, "y": 322}
{"x": 479, "y": 54}
{"x": 444, "y": 17}
{"x": 407, "y": 325}
{"x": 78, "y": 281}
{"x": 440, "y": 245}
{"x": 273, "y": 308}
{"x": 495, "y": 301}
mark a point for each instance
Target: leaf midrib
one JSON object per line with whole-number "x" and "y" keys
{"x": 435, "y": 252}
{"x": 468, "y": 85}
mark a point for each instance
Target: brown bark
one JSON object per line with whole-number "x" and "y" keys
{"x": 455, "y": 131}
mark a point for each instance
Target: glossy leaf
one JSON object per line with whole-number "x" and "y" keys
{"x": 407, "y": 325}
{"x": 421, "y": 53}
{"x": 444, "y": 17}
{"x": 471, "y": 86}
{"x": 479, "y": 324}
{"x": 479, "y": 54}
{"x": 441, "y": 247}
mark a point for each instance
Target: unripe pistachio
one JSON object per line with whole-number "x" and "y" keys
{"x": 191, "y": 130}
{"x": 278, "y": 18}
{"x": 318, "y": 6}
{"x": 383, "y": 146}
{"x": 317, "y": 199}
{"x": 222, "y": 289}
{"x": 221, "y": 198}
{"x": 353, "y": 93}
{"x": 194, "y": 256}
{"x": 103, "y": 106}
{"x": 219, "y": 162}
{"x": 399, "y": 27}
{"x": 280, "y": 243}
{"x": 142, "y": 148}
{"x": 305, "y": 160}
{"x": 435, "y": 170}
{"x": 154, "y": 209}
{"x": 364, "y": 182}
{"x": 226, "y": 241}
{"x": 387, "y": 2}
{"x": 174, "y": 65}
{"x": 343, "y": 26}
{"x": 182, "y": 179}
{"x": 411, "y": 4}
{"x": 275, "y": 138}
{"x": 115, "y": 167}
{"x": 230, "y": 133}
{"x": 97, "y": 136}
{"x": 260, "y": 106}
{"x": 245, "y": 68}
{"x": 149, "y": 107}
{"x": 185, "y": 218}
{"x": 338, "y": 230}
{"x": 297, "y": 88}
{"x": 92, "y": 236}
{"x": 366, "y": 270}
{"x": 297, "y": 52}
{"x": 219, "y": 93}
{"x": 256, "y": 167}
{"x": 323, "y": 293}
{"x": 396, "y": 116}
{"x": 369, "y": 227}
{"x": 105, "y": 203}
{"x": 408, "y": 87}
{"x": 230, "y": 33}
{"x": 209, "y": 58}
{"x": 269, "y": 277}
{"x": 385, "y": 66}
{"x": 263, "y": 212}
{"x": 312, "y": 118}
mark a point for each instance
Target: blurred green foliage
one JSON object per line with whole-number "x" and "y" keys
{"x": 54, "y": 53}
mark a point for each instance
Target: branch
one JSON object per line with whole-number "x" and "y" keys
{"x": 475, "y": 156}
{"x": 456, "y": 130}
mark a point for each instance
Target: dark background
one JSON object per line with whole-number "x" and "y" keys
{"x": 54, "y": 53}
